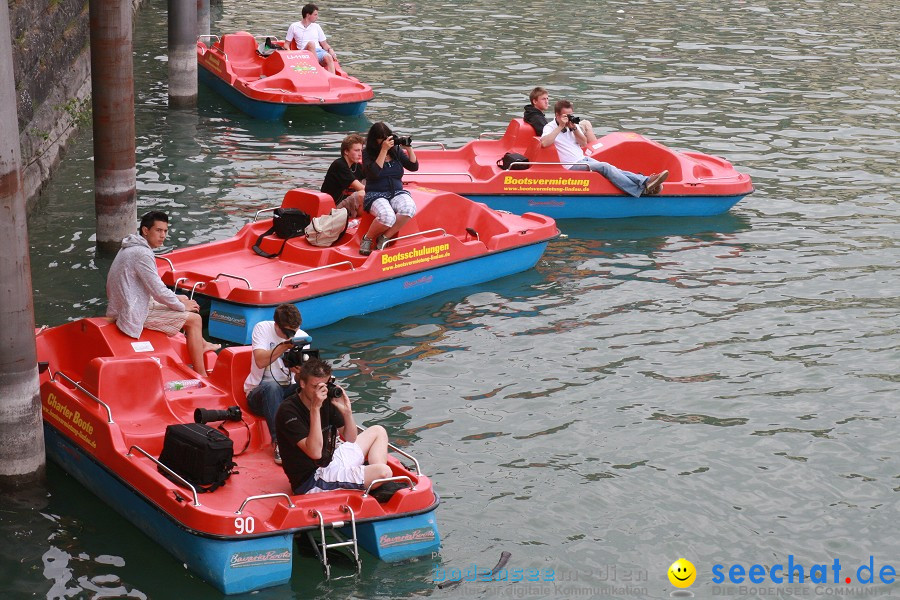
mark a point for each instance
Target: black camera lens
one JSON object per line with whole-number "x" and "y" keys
{"x": 402, "y": 141}
{"x": 209, "y": 415}
{"x": 574, "y": 119}
{"x": 296, "y": 355}
{"x": 334, "y": 390}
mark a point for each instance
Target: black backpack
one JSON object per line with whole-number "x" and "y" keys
{"x": 200, "y": 454}
{"x": 509, "y": 160}
{"x": 286, "y": 224}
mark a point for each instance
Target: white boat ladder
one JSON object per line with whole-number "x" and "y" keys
{"x": 322, "y": 546}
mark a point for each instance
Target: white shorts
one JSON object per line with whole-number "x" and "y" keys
{"x": 344, "y": 472}
{"x": 386, "y": 211}
{"x": 162, "y": 318}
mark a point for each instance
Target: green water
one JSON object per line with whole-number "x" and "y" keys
{"x": 721, "y": 389}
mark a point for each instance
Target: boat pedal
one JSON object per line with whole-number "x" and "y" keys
{"x": 322, "y": 545}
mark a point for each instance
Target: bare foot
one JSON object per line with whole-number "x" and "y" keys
{"x": 210, "y": 347}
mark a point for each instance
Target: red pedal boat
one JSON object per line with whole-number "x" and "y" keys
{"x": 265, "y": 84}
{"x": 450, "y": 242}
{"x": 698, "y": 184}
{"x": 107, "y": 400}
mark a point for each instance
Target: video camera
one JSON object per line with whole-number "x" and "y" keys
{"x": 402, "y": 141}
{"x": 296, "y": 355}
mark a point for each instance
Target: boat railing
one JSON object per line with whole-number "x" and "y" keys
{"x": 250, "y": 499}
{"x": 109, "y": 418}
{"x": 177, "y": 281}
{"x": 403, "y": 237}
{"x": 262, "y": 210}
{"x": 412, "y": 486}
{"x": 429, "y": 143}
{"x": 201, "y": 284}
{"x": 167, "y": 470}
{"x": 415, "y": 174}
{"x": 171, "y": 264}
{"x": 529, "y": 163}
{"x": 332, "y": 265}
{"x": 200, "y": 37}
{"x": 418, "y": 468}
{"x": 491, "y": 134}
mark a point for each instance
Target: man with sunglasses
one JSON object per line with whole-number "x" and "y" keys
{"x": 269, "y": 381}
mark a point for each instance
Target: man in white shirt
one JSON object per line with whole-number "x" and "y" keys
{"x": 307, "y": 35}
{"x": 270, "y": 381}
{"x": 569, "y": 139}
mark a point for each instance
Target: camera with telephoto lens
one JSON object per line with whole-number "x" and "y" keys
{"x": 296, "y": 355}
{"x": 207, "y": 415}
{"x": 334, "y": 390}
{"x": 402, "y": 141}
{"x": 574, "y": 120}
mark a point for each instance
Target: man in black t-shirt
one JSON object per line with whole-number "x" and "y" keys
{"x": 308, "y": 424}
{"x": 344, "y": 179}
{"x": 534, "y": 112}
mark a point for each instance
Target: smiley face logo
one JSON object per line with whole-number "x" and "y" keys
{"x": 682, "y": 573}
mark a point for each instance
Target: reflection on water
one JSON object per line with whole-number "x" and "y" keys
{"x": 721, "y": 389}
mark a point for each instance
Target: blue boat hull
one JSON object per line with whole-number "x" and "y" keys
{"x": 234, "y": 322}
{"x": 233, "y": 566}
{"x": 610, "y": 207}
{"x": 269, "y": 111}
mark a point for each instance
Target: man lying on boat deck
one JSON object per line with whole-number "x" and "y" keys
{"x": 138, "y": 298}
{"x": 270, "y": 381}
{"x": 569, "y": 137}
{"x": 534, "y": 114}
{"x": 308, "y": 35}
{"x": 308, "y": 424}
{"x": 344, "y": 179}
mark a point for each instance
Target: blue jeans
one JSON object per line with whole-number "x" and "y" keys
{"x": 265, "y": 399}
{"x": 630, "y": 183}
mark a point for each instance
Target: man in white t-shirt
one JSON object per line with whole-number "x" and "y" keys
{"x": 269, "y": 381}
{"x": 307, "y": 35}
{"x": 570, "y": 139}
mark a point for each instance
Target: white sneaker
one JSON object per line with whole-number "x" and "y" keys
{"x": 276, "y": 453}
{"x": 353, "y": 224}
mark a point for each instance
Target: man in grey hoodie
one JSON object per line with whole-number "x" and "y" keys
{"x": 138, "y": 298}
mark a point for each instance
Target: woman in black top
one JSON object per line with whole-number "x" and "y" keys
{"x": 383, "y": 164}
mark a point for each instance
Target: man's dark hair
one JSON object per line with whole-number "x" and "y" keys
{"x": 287, "y": 315}
{"x": 351, "y": 140}
{"x": 314, "y": 367}
{"x": 561, "y": 104}
{"x": 150, "y": 218}
{"x": 308, "y": 9}
{"x": 536, "y": 93}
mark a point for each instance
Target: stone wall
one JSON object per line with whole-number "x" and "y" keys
{"x": 52, "y": 65}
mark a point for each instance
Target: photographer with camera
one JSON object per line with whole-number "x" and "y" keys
{"x": 309, "y": 423}
{"x": 384, "y": 158}
{"x": 271, "y": 380}
{"x": 568, "y": 135}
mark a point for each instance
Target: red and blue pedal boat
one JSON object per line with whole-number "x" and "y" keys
{"x": 451, "y": 242}
{"x": 698, "y": 185}
{"x": 107, "y": 401}
{"x": 263, "y": 79}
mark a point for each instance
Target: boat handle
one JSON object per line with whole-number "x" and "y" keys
{"x": 109, "y": 418}
{"x": 403, "y": 237}
{"x": 415, "y": 174}
{"x": 171, "y": 266}
{"x": 250, "y": 499}
{"x": 200, "y": 37}
{"x": 485, "y": 134}
{"x": 194, "y": 288}
{"x": 216, "y": 278}
{"x": 386, "y": 479}
{"x": 168, "y": 470}
{"x": 428, "y": 143}
{"x": 337, "y": 264}
{"x": 360, "y": 428}
{"x": 262, "y": 210}
{"x": 177, "y": 281}
{"x": 473, "y": 233}
{"x": 284, "y": 91}
{"x": 570, "y": 164}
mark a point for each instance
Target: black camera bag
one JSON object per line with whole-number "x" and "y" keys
{"x": 199, "y": 453}
{"x": 509, "y": 160}
{"x": 287, "y": 223}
